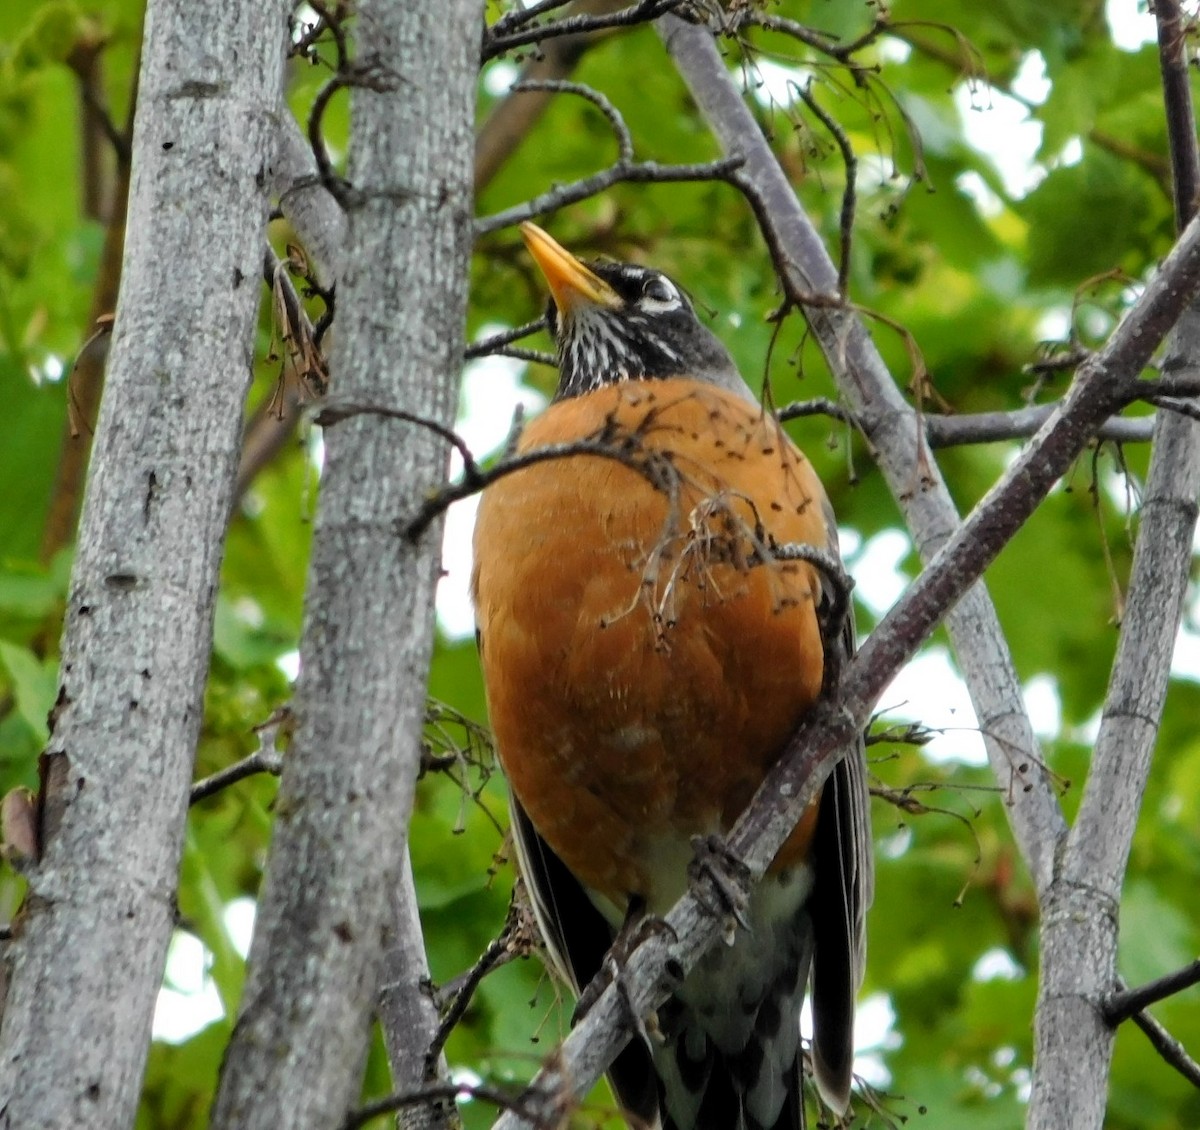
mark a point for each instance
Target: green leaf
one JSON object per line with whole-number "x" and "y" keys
{"x": 34, "y": 684}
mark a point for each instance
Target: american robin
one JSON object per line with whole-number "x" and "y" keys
{"x": 646, "y": 657}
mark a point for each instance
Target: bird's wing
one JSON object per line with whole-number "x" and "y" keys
{"x": 577, "y": 937}
{"x": 843, "y": 889}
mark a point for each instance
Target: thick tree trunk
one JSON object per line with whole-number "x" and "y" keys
{"x": 342, "y": 815}
{"x": 87, "y": 960}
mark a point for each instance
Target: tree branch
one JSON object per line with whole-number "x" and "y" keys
{"x": 1073, "y": 1043}
{"x": 88, "y": 960}
{"x": 631, "y": 172}
{"x": 268, "y": 758}
{"x": 1174, "y": 1054}
{"x": 640, "y": 12}
{"x": 337, "y": 851}
{"x": 1122, "y": 1004}
{"x": 511, "y": 119}
{"x": 979, "y": 427}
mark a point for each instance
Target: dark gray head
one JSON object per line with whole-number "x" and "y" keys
{"x": 618, "y": 321}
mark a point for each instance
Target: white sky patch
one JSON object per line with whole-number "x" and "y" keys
{"x": 1131, "y": 22}
{"x": 772, "y": 84}
{"x": 316, "y": 449}
{"x": 874, "y": 1034}
{"x": 188, "y": 1000}
{"x": 894, "y": 50}
{"x": 974, "y": 186}
{"x": 491, "y": 393}
{"x": 1000, "y": 126}
{"x": 239, "y": 924}
{"x": 928, "y": 690}
{"x": 1044, "y": 705}
{"x": 1185, "y": 661}
{"x": 1055, "y": 324}
{"x": 50, "y": 371}
{"x": 996, "y": 965}
{"x": 289, "y": 664}
{"x": 878, "y": 581}
{"x": 1031, "y": 83}
{"x": 499, "y": 76}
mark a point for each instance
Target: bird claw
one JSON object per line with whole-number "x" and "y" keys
{"x": 638, "y": 928}
{"x": 727, "y": 889}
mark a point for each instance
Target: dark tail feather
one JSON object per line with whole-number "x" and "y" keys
{"x": 725, "y": 1095}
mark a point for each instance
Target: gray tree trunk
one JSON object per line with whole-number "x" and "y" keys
{"x": 342, "y": 815}
{"x": 87, "y": 959}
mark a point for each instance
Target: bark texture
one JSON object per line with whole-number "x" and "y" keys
{"x": 296, "y": 1056}
{"x": 91, "y": 940}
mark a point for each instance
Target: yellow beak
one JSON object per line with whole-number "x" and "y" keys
{"x": 571, "y": 283}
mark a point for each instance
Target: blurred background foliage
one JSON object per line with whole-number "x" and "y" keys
{"x": 1012, "y": 188}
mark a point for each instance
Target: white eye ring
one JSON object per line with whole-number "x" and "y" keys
{"x": 658, "y": 293}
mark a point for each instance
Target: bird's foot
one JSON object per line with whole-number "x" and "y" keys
{"x": 638, "y": 927}
{"x": 721, "y": 882}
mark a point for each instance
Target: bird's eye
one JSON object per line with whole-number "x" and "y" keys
{"x": 658, "y": 289}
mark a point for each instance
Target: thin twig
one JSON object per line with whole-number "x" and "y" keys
{"x": 520, "y": 353}
{"x": 268, "y": 758}
{"x": 493, "y": 343}
{"x": 437, "y": 1092}
{"x": 978, "y": 427}
{"x": 655, "y": 466}
{"x": 334, "y": 411}
{"x": 1123, "y": 1003}
{"x": 849, "y": 193}
{"x": 1023, "y": 423}
{"x": 1172, "y": 1051}
{"x": 589, "y": 94}
{"x": 638, "y": 172}
{"x": 818, "y": 406}
{"x": 258, "y": 762}
{"x": 519, "y": 17}
{"x": 497, "y": 952}
{"x": 641, "y": 12}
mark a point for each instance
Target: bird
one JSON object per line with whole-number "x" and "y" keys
{"x": 646, "y": 654}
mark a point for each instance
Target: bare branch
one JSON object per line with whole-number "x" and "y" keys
{"x": 979, "y": 427}
{"x": 638, "y": 172}
{"x": 1173, "y": 1052}
{"x": 334, "y": 411}
{"x": 624, "y": 448}
{"x": 643, "y": 11}
{"x": 1073, "y": 1043}
{"x": 337, "y": 849}
{"x": 850, "y": 163}
{"x": 519, "y": 17}
{"x": 516, "y": 939}
{"x": 493, "y": 344}
{"x": 138, "y": 619}
{"x": 268, "y": 758}
{"x": 589, "y": 94}
{"x": 511, "y": 119}
{"x": 1022, "y": 423}
{"x": 1123, "y": 1003}
{"x": 437, "y": 1093}
{"x": 260, "y": 761}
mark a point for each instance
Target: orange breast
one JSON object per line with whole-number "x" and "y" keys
{"x": 644, "y": 666}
